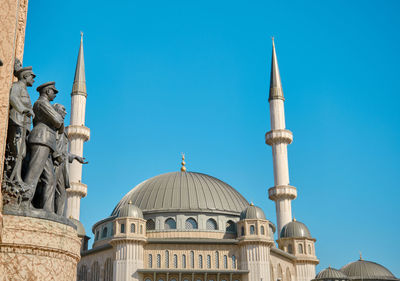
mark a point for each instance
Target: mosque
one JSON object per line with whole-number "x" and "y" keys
{"x": 189, "y": 226}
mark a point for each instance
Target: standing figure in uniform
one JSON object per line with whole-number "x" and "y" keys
{"x": 62, "y": 159}
{"x": 42, "y": 144}
{"x": 19, "y": 123}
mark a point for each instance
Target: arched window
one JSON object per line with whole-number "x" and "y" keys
{"x": 211, "y": 224}
{"x": 290, "y": 249}
{"x": 300, "y": 246}
{"x": 309, "y": 249}
{"x": 175, "y": 261}
{"x": 280, "y": 273}
{"x": 97, "y": 235}
{"x": 122, "y": 228}
{"x": 170, "y": 224}
{"x": 216, "y": 259}
{"x": 104, "y": 232}
{"x": 288, "y": 275}
{"x": 200, "y": 261}
{"x": 150, "y": 260}
{"x": 191, "y": 223}
{"x": 252, "y": 230}
{"x": 95, "y": 272}
{"x": 191, "y": 259}
{"x": 225, "y": 261}
{"x": 133, "y": 228}
{"x": 158, "y": 260}
{"x": 184, "y": 261}
{"x": 108, "y": 270}
{"x": 150, "y": 225}
{"x": 262, "y": 230}
{"x": 82, "y": 274}
{"x": 242, "y": 230}
{"x": 233, "y": 262}
{"x": 208, "y": 261}
{"x": 141, "y": 229}
{"x": 166, "y": 259}
{"x": 230, "y": 227}
{"x": 147, "y": 279}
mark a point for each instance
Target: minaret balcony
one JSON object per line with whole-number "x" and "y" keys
{"x": 78, "y": 131}
{"x": 77, "y": 188}
{"x": 282, "y": 192}
{"x": 278, "y": 136}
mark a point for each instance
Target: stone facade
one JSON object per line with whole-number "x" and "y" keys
{"x": 38, "y": 249}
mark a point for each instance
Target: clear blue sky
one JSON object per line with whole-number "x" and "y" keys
{"x": 166, "y": 77}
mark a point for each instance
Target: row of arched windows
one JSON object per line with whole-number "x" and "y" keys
{"x": 279, "y": 274}
{"x": 252, "y": 230}
{"x": 300, "y": 249}
{"x": 94, "y": 274}
{"x": 191, "y": 261}
{"x": 185, "y": 279}
{"x": 190, "y": 223}
{"x": 104, "y": 232}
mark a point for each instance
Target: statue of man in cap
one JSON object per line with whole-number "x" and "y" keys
{"x": 19, "y": 123}
{"x": 42, "y": 144}
{"x": 62, "y": 159}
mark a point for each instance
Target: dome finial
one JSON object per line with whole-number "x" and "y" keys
{"x": 183, "y": 168}
{"x": 361, "y": 259}
{"x": 251, "y": 204}
{"x": 294, "y": 219}
{"x": 130, "y": 202}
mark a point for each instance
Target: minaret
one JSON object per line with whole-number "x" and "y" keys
{"x": 282, "y": 193}
{"x": 78, "y": 133}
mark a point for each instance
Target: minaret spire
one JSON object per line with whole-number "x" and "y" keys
{"x": 78, "y": 133}
{"x": 278, "y": 138}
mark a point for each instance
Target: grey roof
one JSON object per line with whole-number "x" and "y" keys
{"x": 184, "y": 192}
{"x": 79, "y": 85}
{"x": 130, "y": 210}
{"x": 362, "y": 269}
{"x": 275, "y": 86}
{"x": 295, "y": 229}
{"x": 331, "y": 273}
{"x": 79, "y": 227}
{"x": 252, "y": 212}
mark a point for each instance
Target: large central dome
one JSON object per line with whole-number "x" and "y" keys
{"x": 184, "y": 192}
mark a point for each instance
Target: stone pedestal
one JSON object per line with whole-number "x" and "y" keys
{"x": 38, "y": 249}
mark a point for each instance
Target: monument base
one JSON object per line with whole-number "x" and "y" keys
{"x": 38, "y": 249}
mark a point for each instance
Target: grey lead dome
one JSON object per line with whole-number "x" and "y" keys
{"x": 252, "y": 212}
{"x": 367, "y": 270}
{"x": 295, "y": 229}
{"x": 184, "y": 192}
{"x": 331, "y": 274}
{"x": 129, "y": 210}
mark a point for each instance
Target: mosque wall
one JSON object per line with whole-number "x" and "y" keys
{"x": 282, "y": 268}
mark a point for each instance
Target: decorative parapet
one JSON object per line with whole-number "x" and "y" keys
{"x": 76, "y": 131}
{"x": 77, "y": 188}
{"x": 282, "y": 192}
{"x": 278, "y": 136}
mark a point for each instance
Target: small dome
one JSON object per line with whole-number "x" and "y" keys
{"x": 79, "y": 227}
{"x": 331, "y": 274}
{"x": 295, "y": 229}
{"x": 130, "y": 210}
{"x": 362, "y": 270}
{"x": 252, "y": 212}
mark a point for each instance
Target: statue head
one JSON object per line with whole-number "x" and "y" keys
{"x": 48, "y": 90}
{"x": 60, "y": 109}
{"x": 26, "y": 75}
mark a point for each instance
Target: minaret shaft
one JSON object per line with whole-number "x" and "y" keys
{"x": 278, "y": 138}
{"x": 78, "y": 133}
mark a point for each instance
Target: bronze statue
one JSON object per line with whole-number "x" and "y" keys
{"x": 42, "y": 144}
{"x": 62, "y": 158}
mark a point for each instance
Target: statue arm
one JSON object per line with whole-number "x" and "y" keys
{"x": 52, "y": 116}
{"x": 16, "y": 103}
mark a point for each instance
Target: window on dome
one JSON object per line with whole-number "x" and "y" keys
{"x": 170, "y": 224}
{"x": 184, "y": 261}
{"x": 191, "y": 223}
{"x": 141, "y": 229}
{"x": 167, "y": 259}
{"x": 133, "y": 228}
{"x": 147, "y": 279}
{"x": 175, "y": 261}
{"x": 122, "y": 228}
{"x": 242, "y": 231}
{"x": 158, "y": 260}
{"x": 300, "y": 246}
{"x": 262, "y": 230}
{"x": 290, "y": 249}
{"x": 208, "y": 261}
{"x": 200, "y": 261}
{"x": 230, "y": 226}
{"x": 97, "y": 235}
{"x": 104, "y": 233}
{"x": 225, "y": 261}
{"x": 252, "y": 230}
{"x": 150, "y": 225}
{"x": 309, "y": 249}
{"x": 191, "y": 259}
{"x": 216, "y": 259}
{"x": 211, "y": 224}
{"x": 233, "y": 262}
{"x": 150, "y": 260}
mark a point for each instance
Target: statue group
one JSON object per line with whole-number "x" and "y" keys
{"x": 36, "y": 168}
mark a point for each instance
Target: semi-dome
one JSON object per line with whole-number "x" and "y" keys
{"x": 130, "y": 210}
{"x": 184, "y": 192}
{"x": 252, "y": 212}
{"x": 331, "y": 274}
{"x": 367, "y": 270}
{"x": 295, "y": 229}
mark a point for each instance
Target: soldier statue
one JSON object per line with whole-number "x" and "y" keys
{"x": 42, "y": 144}
{"x": 19, "y": 123}
{"x": 62, "y": 159}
